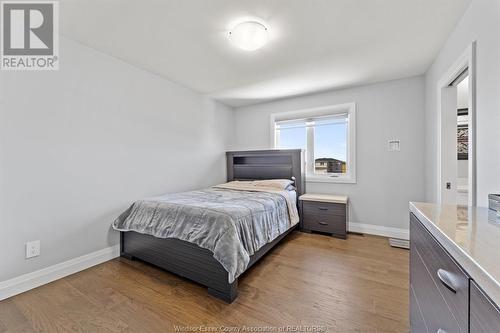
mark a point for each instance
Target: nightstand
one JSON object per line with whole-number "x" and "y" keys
{"x": 324, "y": 213}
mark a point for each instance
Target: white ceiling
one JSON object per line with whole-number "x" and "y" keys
{"x": 314, "y": 44}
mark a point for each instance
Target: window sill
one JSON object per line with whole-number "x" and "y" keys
{"x": 326, "y": 179}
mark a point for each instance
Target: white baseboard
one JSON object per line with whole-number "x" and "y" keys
{"x": 46, "y": 275}
{"x": 378, "y": 230}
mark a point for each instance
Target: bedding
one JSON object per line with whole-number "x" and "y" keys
{"x": 280, "y": 184}
{"x": 232, "y": 220}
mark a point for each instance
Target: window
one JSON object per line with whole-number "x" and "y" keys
{"x": 328, "y": 136}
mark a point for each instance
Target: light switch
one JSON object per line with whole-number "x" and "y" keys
{"x": 393, "y": 145}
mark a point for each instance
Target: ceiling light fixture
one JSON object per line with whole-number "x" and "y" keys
{"x": 249, "y": 35}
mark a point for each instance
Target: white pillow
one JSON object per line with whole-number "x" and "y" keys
{"x": 280, "y": 184}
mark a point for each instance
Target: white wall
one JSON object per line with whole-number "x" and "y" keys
{"x": 386, "y": 181}
{"x": 463, "y": 171}
{"x": 463, "y": 94}
{"x": 79, "y": 145}
{"x": 481, "y": 22}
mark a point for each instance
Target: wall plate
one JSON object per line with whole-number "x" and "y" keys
{"x": 32, "y": 249}
{"x": 393, "y": 145}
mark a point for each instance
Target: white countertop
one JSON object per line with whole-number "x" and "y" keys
{"x": 324, "y": 198}
{"x": 471, "y": 235}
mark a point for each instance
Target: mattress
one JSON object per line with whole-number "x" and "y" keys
{"x": 233, "y": 223}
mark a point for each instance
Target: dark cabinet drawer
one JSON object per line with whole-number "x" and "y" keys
{"x": 324, "y": 217}
{"x": 329, "y": 225}
{"x": 484, "y": 315}
{"x": 324, "y": 209}
{"x": 428, "y": 310}
{"x": 416, "y": 316}
{"x": 450, "y": 280}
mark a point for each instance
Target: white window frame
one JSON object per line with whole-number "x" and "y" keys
{"x": 331, "y": 110}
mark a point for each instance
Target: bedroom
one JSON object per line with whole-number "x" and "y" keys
{"x": 149, "y": 99}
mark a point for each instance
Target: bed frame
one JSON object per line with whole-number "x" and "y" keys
{"x": 197, "y": 264}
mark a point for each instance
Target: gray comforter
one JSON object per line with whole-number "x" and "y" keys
{"x": 232, "y": 224}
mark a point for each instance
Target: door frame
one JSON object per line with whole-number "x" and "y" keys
{"x": 466, "y": 60}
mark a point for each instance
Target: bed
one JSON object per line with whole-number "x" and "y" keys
{"x": 196, "y": 255}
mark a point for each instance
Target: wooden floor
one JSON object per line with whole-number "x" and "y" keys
{"x": 358, "y": 285}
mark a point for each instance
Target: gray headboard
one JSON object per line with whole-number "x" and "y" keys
{"x": 268, "y": 164}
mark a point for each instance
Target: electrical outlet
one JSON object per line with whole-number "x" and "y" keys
{"x": 32, "y": 249}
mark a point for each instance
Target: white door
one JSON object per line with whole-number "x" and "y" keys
{"x": 449, "y": 145}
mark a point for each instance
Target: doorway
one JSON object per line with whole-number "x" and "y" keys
{"x": 462, "y": 143}
{"x": 456, "y": 167}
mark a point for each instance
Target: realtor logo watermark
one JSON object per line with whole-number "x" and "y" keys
{"x": 29, "y": 35}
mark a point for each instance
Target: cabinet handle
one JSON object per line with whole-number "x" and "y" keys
{"x": 322, "y": 208}
{"x": 446, "y": 280}
{"x": 441, "y": 331}
{"x": 323, "y": 223}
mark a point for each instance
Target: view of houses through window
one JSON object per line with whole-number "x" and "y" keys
{"x": 325, "y": 136}
{"x": 329, "y": 165}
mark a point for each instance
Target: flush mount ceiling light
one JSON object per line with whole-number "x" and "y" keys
{"x": 249, "y": 35}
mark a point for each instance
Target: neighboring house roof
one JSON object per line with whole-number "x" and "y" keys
{"x": 324, "y": 159}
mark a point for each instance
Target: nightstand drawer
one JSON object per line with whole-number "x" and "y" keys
{"x": 323, "y": 209}
{"x": 329, "y": 224}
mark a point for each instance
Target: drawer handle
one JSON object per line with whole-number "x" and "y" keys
{"x": 446, "y": 280}
{"x": 323, "y": 223}
{"x": 322, "y": 208}
{"x": 441, "y": 331}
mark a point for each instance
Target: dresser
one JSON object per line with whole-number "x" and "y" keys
{"x": 454, "y": 269}
{"x": 324, "y": 213}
